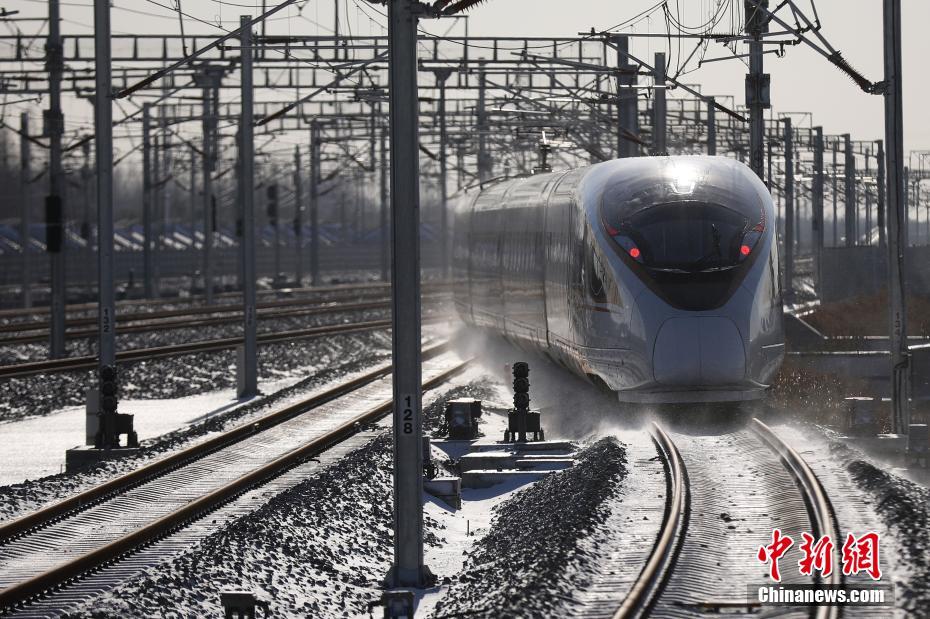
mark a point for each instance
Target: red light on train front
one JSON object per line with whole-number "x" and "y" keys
{"x": 634, "y": 252}
{"x": 750, "y": 238}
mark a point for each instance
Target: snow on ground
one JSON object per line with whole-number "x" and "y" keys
{"x": 461, "y": 528}
{"x": 35, "y": 447}
{"x": 530, "y": 560}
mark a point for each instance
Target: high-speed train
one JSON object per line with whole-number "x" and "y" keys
{"x": 656, "y": 277}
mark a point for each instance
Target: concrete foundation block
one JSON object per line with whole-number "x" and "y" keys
{"x": 486, "y": 479}
{"x": 544, "y": 464}
{"x": 918, "y": 444}
{"x": 494, "y": 461}
{"x": 565, "y": 446}
{"x": 862, "y": 415}
{"x": 86, "y": 456}
{"x": 448, "y": 489}
{"x": 91, "y": 410}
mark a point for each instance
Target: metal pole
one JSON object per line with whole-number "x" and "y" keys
{"x": 850, "y": 171}
{"x": 659, "y": 116}
{"x": 298, "y": 217}
{"x": 894, "y": 140}
{"x": 240, "y": 220}
{"x": 906, "y": 225}
{"x": 86, "y": 232}
{"x": 314, "y": 203}
{"x": 193, "y": 199}
{"x": 836, "y": 242}
{"x": 711, "y": 127}
{"x": 103, "y": 130}
{"x": 757, "y": 84}
{"x": 868, "y": 200}
{"x": 627, "y": 99}
{"x": 880, "y": 189}
{"x": 789, "y": 208}
{"x": 768, "y": 178}
{"x": 163, "y": 196}
{"x": 275, "y": 221}
{"x": 798, "y": 229}
{"x": 445, "y": 244}
{"x": 147, "y": 199}
{"x": 54, "y": 204}
{"x": 209, "y": 165}
{"x": 408, "y": 569}
{"x": 383, "y": 193}
{"x": 484, "y": 159}
{"x": 24, "y": 201}
{"x": 249, "y": 385}
{"x": 817, "y": 219}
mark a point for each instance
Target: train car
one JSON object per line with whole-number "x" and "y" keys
{"x": 655, "y": 277}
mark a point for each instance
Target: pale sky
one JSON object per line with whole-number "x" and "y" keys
{"x": 801, "y": 81}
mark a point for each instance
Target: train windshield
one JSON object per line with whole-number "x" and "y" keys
{"x": 687, "y": 228}
{"x": 687, "y": 236}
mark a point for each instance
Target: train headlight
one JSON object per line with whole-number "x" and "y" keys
{"x": 749, "y": 241}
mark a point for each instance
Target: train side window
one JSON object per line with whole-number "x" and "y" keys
{"x": 592, "y": 278}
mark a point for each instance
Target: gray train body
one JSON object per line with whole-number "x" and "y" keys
{"x": 655, "y": 276}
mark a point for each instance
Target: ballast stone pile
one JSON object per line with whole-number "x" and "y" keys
{"x": 904, "y": 508}
{"x": 530, "y": 561}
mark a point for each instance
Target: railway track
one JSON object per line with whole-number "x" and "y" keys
{"x": 656, "y": 575}
{"x": 820, "y": 510}
{"x": 21, "y": 320}
{"x": 42, "y": 310}
{"x": 67, "y": 552}
{"x": 648, "y": 586}
{"x": 89, "y": 362}
{"x": 179, "y": 319}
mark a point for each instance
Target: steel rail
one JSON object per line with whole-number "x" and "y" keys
{"x": 88, "y": 362}
{"x": 64, "y": 573}
{"x": 42, "y": 517}
{"x": 819, "y": 508}
{"x": 226, "y": 308}
{"x": 269, "y": 311}
{"x": 92, "y": 306}
{"x": 658, "y": 569}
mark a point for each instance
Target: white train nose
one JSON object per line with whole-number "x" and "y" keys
{"x": 699, "y": 350}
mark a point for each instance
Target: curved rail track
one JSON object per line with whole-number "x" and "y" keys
{"x": 652, "y": 579}
{"x": 655, "y": 575}
{"x": 820, "y": 509}
{"x": 114, "y": 520}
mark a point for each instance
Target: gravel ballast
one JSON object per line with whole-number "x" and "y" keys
{"x": 176, "y": 377}
{"x": 904, "y": 508}
{"x": 531, "y": 560}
